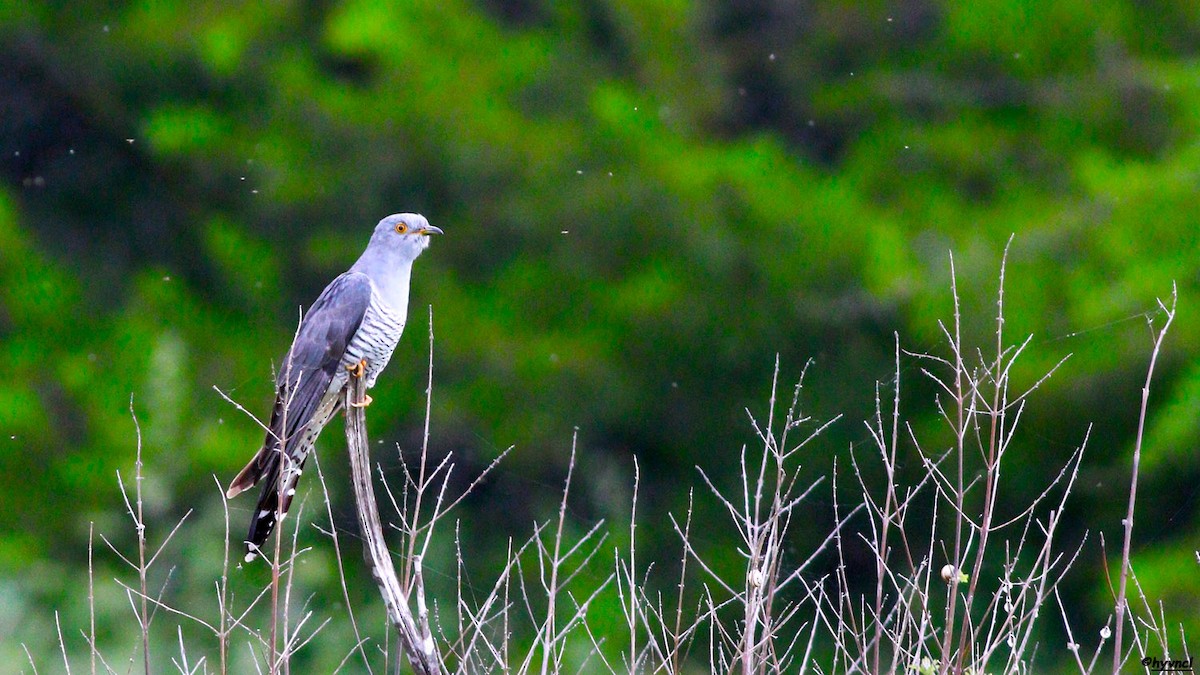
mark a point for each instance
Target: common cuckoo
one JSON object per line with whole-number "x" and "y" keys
{"x": 351, "y": 328}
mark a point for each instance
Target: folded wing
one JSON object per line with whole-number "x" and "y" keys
{"x": 302, "y": 397}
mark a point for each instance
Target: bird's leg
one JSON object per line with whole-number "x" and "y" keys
{"x": 357, "y": 370}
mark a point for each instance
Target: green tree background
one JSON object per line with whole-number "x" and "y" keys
{"x": 645, "y": 201}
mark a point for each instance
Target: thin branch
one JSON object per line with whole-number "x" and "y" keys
{"x": 1133, "y": 481}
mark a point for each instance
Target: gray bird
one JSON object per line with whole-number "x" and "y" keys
{"x": 352, "y": 327}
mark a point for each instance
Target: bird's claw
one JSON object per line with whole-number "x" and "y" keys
{"x": 357, "y": 370}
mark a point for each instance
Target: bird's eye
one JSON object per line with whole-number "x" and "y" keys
{"x": 401, "y": 228}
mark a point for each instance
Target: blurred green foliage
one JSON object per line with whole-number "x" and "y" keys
{"x": 645, "y": 202}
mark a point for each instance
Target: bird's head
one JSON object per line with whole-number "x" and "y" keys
{"x": 406, "y": 233}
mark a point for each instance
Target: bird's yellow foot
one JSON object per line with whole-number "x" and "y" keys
{"x": 357, "y": 369}
{"x": 363, "y": 403}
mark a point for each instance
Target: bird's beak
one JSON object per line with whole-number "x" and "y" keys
{"x": 430, "y": 229}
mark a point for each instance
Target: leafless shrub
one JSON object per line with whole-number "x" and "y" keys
{"x": 954, "y": 586}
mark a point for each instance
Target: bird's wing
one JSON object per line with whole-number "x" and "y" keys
{"x": 321, "y": 341}
{"x": 301, "y": 385}
{"x": 308, "y": 368}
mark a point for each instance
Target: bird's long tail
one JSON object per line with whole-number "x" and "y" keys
{"x": 266, "y": 467}
{"x": 279, "y": 484}
{"x": 278, "y": 467}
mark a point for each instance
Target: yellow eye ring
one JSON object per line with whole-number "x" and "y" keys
{"x": 401, "y": 228}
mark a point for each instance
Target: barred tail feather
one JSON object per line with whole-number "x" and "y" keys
{"x": 263, "y": 522}
{"x": 273, "y": 464}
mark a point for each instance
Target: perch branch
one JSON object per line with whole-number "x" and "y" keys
{"x": 415, "y": 636}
